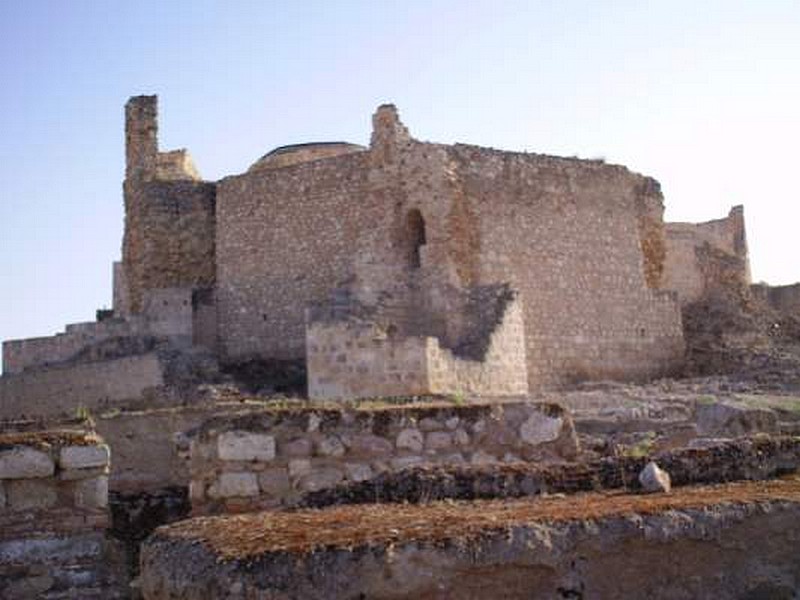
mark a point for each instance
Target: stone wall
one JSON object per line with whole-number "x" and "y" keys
{"x": 703, "y": 257}
{"x": 782, "y": 298}
{"x": 268, "y": 460}
{"x": 61, "y": 390}
{"x": 285, "y": 238}
{"x": 53, "y": 513}
{"x": 354, "y": 358}
{"x": 19, "y": 355}
{"x": 168, "y": 313}
{"x": 583, "y": 242}
{"x": 571, "y": 235}
{"x": 728, "y": 541}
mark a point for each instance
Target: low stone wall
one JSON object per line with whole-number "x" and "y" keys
{"x": 62, "y": 390}
{"x": 353, "y": 358}
{"x": 53, "y": 515}
{"x": 727, "y": 541}
{"x": 269, "y": 459}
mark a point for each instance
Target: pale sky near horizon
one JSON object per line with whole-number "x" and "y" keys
{"x": 703, "y": 96}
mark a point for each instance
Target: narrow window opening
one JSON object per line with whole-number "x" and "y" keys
{"x": 415, "y": 231}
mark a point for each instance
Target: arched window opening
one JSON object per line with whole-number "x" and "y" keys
{"x": 415, "y": 234}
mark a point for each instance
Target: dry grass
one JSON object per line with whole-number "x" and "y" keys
{"x": 64, "y": 437}
{"x": 243, "y": 536}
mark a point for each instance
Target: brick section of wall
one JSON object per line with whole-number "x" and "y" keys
{"x": 270, "y": 459}
{"x": 169, "y": 236}
{"x": 61, "y": 390}
{"x": 53, "y": 513}
{"x": 285, "y": 238}
{"x": 703, "y": 257}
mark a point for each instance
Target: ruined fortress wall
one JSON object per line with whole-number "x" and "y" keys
{"x": 169, "y": 236}
{"x": 269, "y": 459}
{"x": 61, "y": 390}
{"x": 53, "y": 513}
{"x": 783, "y": 298}
{"x": 568, "y": 234}
{"x": 286, "y": 238}
{"x": 19, "y": 355}
{"x": 704, "y": 256}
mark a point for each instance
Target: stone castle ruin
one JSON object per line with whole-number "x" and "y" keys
{"x": 400, "y": 269}
{"x": 485, "y": 343}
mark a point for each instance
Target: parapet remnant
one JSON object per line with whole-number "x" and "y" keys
{"x": 53, "y": 517}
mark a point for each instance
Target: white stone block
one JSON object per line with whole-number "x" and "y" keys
{"x": 244, "y": 445}
{"x": 23, "y": 462}
{"x": 233, "y": 485}
{"x": 84, "y": 457}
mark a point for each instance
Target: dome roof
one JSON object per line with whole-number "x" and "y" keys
{"x": 283, "y": 156}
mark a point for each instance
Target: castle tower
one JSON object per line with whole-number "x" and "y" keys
{"x": 141, "y": 137}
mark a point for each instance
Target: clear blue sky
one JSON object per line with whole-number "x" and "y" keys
{"x": 703, "y": 95}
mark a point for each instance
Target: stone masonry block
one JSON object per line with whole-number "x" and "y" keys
{"x": 243, "y": 445}
{"x": 31, "y": 494}
{"x": 92, "y": 493}
{"x": 410, "y": 439}
{"x": 233, "y": 485}
{"x": 84, "y": 457}
{"x": 540, "y": 428}
{"x": 25, "y": 463}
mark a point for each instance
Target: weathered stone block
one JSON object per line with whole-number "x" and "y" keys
{"x": 231, "y": 485}
{"x": 299, "y": 467}
{"x": 655, "y": 479}
{"x": 84, "y": 457}
{"x": 92, "y": 493}
{"x": 274, "y": 482}
{"x": 371, "y": 445}
{"x": 539, "y": 429}
{"x": 438, "y": 440}
{"x": 358, "y": 471}
{"x": 410, "y": 439}
{"x": 320, "y": 479}
{"x": 25, "y": 463}
{"x": 299, "y": 447}
{"x": 31, "y": 494}
{"x": 480, "y": 457}
{"x": 197, "y": 491}
{"x": 243, "y": 445}
{"x": 330, "y": 446}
